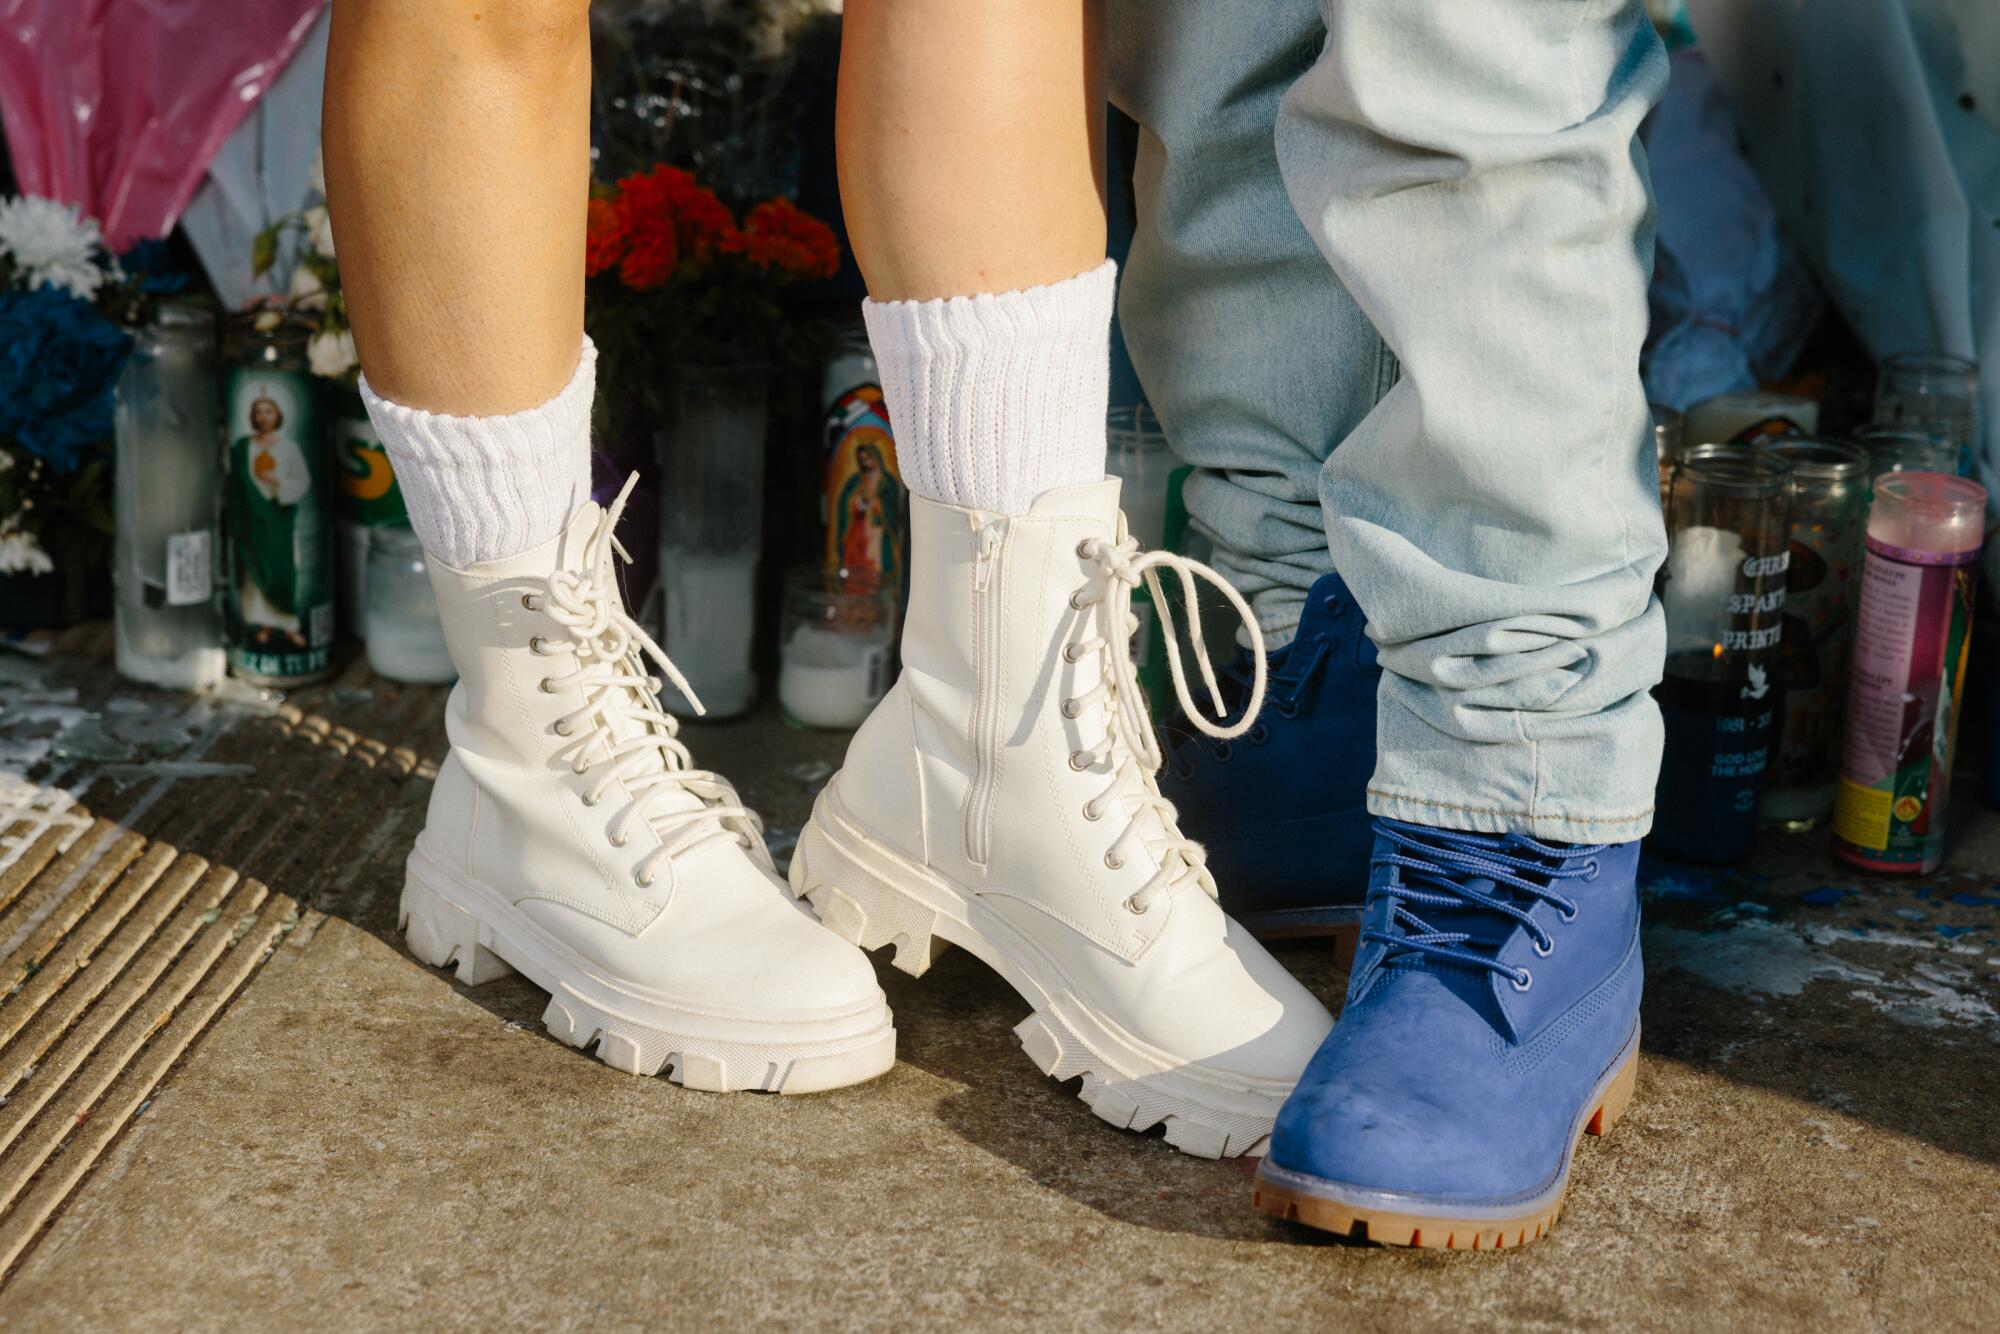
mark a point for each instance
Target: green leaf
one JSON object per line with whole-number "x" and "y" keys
{"x": 264, "y": 252}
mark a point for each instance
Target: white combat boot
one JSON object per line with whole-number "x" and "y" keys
{"x": 571, "y": 838}
{"x": 1001, "y": 798}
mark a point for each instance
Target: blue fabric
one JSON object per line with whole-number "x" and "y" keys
{"x": 1443, "y": 1081}
{"x": 1282, "y": 810}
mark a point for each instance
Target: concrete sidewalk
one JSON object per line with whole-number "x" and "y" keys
{"x": 318, "y": 1132}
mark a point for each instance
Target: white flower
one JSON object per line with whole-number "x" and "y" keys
{"x": 332, "y": 354}
{"x": 319, "y": 230}
{"x": 54, "y": 244}
{"x": 20, "y": 553}
{"x": 306, "y": 291}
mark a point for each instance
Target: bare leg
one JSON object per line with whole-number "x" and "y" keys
{"x": 457, "y": 164}
{"x": 971, "y": 137}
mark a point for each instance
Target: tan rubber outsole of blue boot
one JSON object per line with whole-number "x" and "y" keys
{"x": 1388, "y": 1228}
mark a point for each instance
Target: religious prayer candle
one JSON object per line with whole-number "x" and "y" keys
{"x": 168, "y": 502}
{"x": 1917, "y": 585}
{"x": 279, "y": 512}
{"x": 836, "y": 647}
{"x": 1723, "y": 589}
{"x": 1829, "y": 514}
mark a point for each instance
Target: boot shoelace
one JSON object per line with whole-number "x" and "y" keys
{"x": 620, "y": 732}
{"x": 1130, "y": 748}
{"x": 1436, "y": 868}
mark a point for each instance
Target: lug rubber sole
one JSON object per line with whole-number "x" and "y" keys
{"x": 448, "y": 925}
{"x": 871, "y": 894}
{"x": 1360, "y": 1214}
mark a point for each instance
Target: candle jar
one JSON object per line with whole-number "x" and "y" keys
{"x": 168, "y": 504}
{"x": 711, "y": 451}
{"x": 1669, "y": 439}
{"x": 836, "y": 647}
{"x": 1906, "y": 449}
{"x": 864, "y": 509}
{"x": 1750, "y": 415}
{"x": 405, "y": 636}
{"x": 1932, "y": 391}
{"x": 1829, "y": 517}
{"x": 1917, "y": 592}
{"x": 1138, "y": 457}
{"x": 1723, "y": 589}
{"x": 1149, "y": 478}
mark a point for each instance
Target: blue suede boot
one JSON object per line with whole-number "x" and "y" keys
{"x": 1282, "y": 810}
{"x": 1492, "y": 1018}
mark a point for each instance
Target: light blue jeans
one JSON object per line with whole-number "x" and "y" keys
{"x": 1421, "y": 231}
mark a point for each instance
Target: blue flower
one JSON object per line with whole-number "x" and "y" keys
{"x": 59, "y": 362}
{"x": 149, "y": 266}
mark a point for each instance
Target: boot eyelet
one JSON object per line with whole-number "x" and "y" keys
{"x": 1078, "y": 760}
{"x": 1567, "y": 914}
{"x": 589, "y": 800}
{"x": 1114, "y": 861}
{"x": 1070, "y": 709}
{"x": 528, "y": 602}
{"x": 1133, "y": 906}
{"x": 1091, "y": 813}
{"x": 1285, "y": 708}
{"x": 1258, "y": 735}
{"x": 548, "y": 685}
{"x": 1543, "y": 951}
{"x": 1522, "y": 980}
{"x": 537, "y": 645}
{"x": 1076, "y": 601}
{"x": 643, "y": 881}
{"x": 1069, "y": 653}
{"x": 562, "y": 728}
{"x": 1333, "y": 603}
{"x": 1083, "y": 549}
{"x": 618, "y": 840}
{"x": 581, "y": 767}
{"x": 1590, "y": 869}
{"x": 1186, "y": 775}
{"x": 1223, "y": 750}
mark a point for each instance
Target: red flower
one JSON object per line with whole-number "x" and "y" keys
{"x": 606, "y": 241}
{"x": 780, "y": 237}
{"x": 650, "y": 258}
{"x": 671, "y": 198}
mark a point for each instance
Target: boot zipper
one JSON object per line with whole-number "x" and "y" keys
{"x": 985, "y": 704}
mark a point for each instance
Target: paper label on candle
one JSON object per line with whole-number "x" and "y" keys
{"x": 190, "y": 569}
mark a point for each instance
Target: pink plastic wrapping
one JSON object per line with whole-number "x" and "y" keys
{"x": 118, "y": 105}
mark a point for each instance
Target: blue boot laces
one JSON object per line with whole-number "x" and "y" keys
{"x": 1436, "y": 870}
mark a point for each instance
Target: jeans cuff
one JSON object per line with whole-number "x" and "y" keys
{"x": 1551, "y": 826}
{"x": 1586, "y": 779}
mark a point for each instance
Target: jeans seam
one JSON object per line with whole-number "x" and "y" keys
{"x": 1385, "y": 793}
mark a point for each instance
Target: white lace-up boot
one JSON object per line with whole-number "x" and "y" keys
{"x": 1001, "y": 798}
{"x": 570, "y": 837}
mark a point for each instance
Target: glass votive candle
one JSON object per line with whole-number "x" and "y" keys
{"x": 1932, "y": 391}
{"x": 405, "y": 636}
{"x": 1137, "y": 454}
{"x": 1906, "y": 449}
{"x": 836, "y": 646}
{"x": 1669, "y": 439}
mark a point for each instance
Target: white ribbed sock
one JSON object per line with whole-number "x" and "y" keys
{"x": 480, "y": 488}
{"x": 999, "y": 397}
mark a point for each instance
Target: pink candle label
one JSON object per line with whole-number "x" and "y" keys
{"x": 1902, "y": 707}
